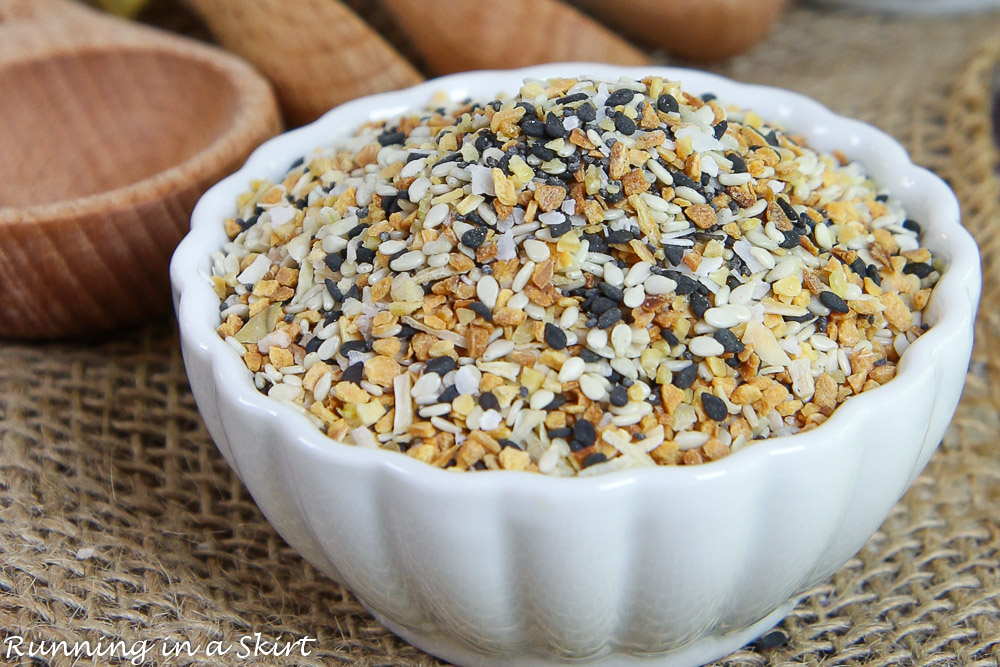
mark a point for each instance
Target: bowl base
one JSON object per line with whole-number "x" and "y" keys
{"x": 699, "y": 652}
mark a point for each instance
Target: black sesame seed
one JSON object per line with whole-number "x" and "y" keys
{"x": 912, "y": 225}
{"x": 792, "y": 237}
{"x": 415, "y": 155}
{"x": 334, "y": 291}
{"x": 554, "y": 336}
{"x": 563, "y": 432}
{"x": 474, "y": 237}
{"x": 353, "y": 293}
{"x": 620, "y": 236}
{"x": 586, "y": 112}
{"x": 569, "y": 99}
{"x": 728, "y": 340}
{"x": 351, "y": 346}
{"x": 739, "y": 165}
{"x": 624, "y": 124}
{"x": 833, "y": 302}
{"x": 440, "y": 365}
{"x": 488, "y": 401}
{"x": 667, "y": 103}
{"x": 313, "y": 344}
{"x": 619, "y": 396}
{"x": 674, "y": 254}
{"x": 610, "y": 291}
{"x": 481, "y": 309}
{"x": 699, "y": 304}
{"x": 589, "y": 356}
{"x": 720, "y": 128}
{"x": 555, "y": 403}
{"x": 448, "y": 395}
{"x": 601, "y": 305}
{"x": 554, "y": 126}
{"x": 772, "y": 137}
{"x": 715, "y": 408}
{"x": 858, "y": 266}
{"x": 808, "y": 317}
{"x": 685, "y": 377}
{"x": 708, "y": 97}
{"x": 364, "y": 255}
{"x": 669, "y": 336}
{"x": 334, "y": 260}
{"x": 533, "y": 127}
{"x": 356, "y": 230}
{"x": 620, "y": 96}
{"x": 584, "y": 432}
{"x": 732, "y": 362}
{"x": 882, "y": 198}
{"x": 484, "y": 140}
{"x": 539, "y": 150}
{"x": 609, "y": 318}
{"x": 594, "y": 459}
{"x": 680, "y": 178}
{"x": 560, "y": 228}
{"x": 919, "y": 269}
{"x": 354, "y": 372}
{"x": 786, "y": 206}
{"x": 297, "y": 163}
{"x": 504, "y": 442}
{"x": 388, "y": 138}
{"x": 873, "y": 274}
{"x": 772, "y": 639}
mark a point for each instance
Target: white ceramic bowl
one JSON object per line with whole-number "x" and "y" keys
{"x": 680, "y": 565}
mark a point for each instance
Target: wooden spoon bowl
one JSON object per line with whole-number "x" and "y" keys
{"x": 111, "y": 132}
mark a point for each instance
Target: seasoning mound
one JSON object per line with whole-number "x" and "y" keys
{"x": 590, "y": 276}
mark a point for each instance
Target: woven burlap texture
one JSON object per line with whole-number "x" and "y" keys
{"x": 119, "y": 519}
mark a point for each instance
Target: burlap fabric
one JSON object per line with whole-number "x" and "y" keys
{"x": 119, "y": 519}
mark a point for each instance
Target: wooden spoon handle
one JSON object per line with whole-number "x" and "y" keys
{"x": 317, "y": 53}
{"x": 455, "y": 35}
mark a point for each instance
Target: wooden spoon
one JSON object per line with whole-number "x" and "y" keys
{"x": 318, "y": 53}
{"x": 456, "y": 35}
{"x": 110, "y": 133}
{"x": 703, "y": 30}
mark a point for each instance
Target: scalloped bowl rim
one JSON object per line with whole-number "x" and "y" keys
{"x": 957, "y": 295}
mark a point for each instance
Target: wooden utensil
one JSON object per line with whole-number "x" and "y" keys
{"x": 456, "y": 35}
{"x": 110, "y": 133}
{"x": 318, "y": 53}
{"x": 696, "y": 29}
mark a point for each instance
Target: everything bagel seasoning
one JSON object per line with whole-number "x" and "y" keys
{"x": 590, "y": 276}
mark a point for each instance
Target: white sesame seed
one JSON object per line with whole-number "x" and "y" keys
{"x": 706, "y": 346}
{"x": 322, "y": 387}
{"x": 637, "y": 274}
{"x": 621, "y": 338}
{"x": 690, "y": 439}
{"x": 691, "y": 195}
{"x": 656, "y": 284}
{"x": 597, "y": 339}
{"x": 518, "y": 301}
{"x": 592, "y": 386}
{"x": 764, "y": 257}
{"x": 634, "y": 296}
{"x": 735, "y": 179}
{"x": 537, "y": 251}
{"x": 521, "y": 277}
{"x": 498, "y": 348}
{"x": 540, "y": 399}
{"x": 569, "y": 317}
{"x": 720, "y": 319}
{"x": 418, "y": 189}
{"x": 613, "y": 275}
{"x": 392, "y": 247}
{"x": 487, "y": 290}
{"x": 571, "y": 369}
{"x": 436, "y": 215}
{"x": 408, "y": 261}
{"x": 436, "y": 410}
